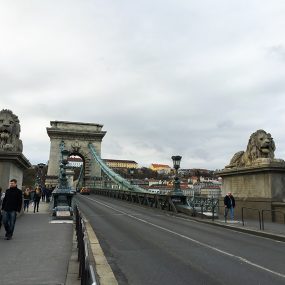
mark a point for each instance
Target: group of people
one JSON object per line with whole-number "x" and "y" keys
{"x": 35, "y": 195}
{"x": 11, "y": 203}
{"x": 32, "y": 195}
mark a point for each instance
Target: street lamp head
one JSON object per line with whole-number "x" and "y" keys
{"x": 41, "y": 165}
{"x": 176, "y": 161}
{"x": 176, "y": 183}
{"x": 65, "y": 154}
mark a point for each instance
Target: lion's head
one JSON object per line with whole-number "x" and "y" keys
{"x": 260, "y": 145}
{"x": 9, "y": 131}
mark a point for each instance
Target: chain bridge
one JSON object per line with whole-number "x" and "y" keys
{"x": 147, "y": 246}
{"x": 84, "y": 140}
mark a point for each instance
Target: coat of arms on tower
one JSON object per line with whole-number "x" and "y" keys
{"x": 75, "y": 147}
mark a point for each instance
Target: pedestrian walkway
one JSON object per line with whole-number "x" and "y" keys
{"x": 271, "y": 230}
{"x": 39, "y": 252}
{"x": 253, "y": 225}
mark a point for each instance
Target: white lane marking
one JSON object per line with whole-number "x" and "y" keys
{"x": 193, "y": 240}
{"x": 61, "y": 222}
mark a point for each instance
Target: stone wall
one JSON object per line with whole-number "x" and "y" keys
{"x": 12, "y": 165}
{"x": 259, "y": 187}
{"x": 266, "y": 181}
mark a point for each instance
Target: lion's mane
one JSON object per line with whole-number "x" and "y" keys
{"x": 10, "y": 132}
{"x": 260, "y": 145}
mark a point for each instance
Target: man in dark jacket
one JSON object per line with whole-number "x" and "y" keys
{"x": 229, "y": 202}
{"x": 11, "y": 204}
{"x": 1, "y": 199}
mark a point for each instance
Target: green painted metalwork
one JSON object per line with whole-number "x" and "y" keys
{"x": 80, "y": 178}
{"x": 116, "y": 178}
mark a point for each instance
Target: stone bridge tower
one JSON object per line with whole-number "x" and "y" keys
{"x": 75, "y": 137}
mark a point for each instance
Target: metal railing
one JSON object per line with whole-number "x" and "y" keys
{"x": 216, "y": 209}
{"x": 162, "y": 202}
{"x": 86, "y": 270}
{"x": 201, "y": 204}
{"x": 271, "y": 211}
{"x": 253, "y": 209}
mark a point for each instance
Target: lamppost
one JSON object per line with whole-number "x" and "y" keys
{"x": 176, "y": 165}
{"x": 62, "y": 197}
{"x": 39, "y": 177}
{"x": 132, "y": 171}
{"x": 62, "y": 177}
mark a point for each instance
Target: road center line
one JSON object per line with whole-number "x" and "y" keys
{"x": 192, "y": 240}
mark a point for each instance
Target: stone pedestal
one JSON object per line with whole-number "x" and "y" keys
{"x": 12, "y": 165}
{"x": 70, "y": 176}
{"x": 256, "y": 187}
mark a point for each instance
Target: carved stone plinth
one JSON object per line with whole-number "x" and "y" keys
{"x": 258, "y": 186}
{"x": 12, "y": 165}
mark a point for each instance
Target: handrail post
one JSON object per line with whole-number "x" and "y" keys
{"x": 259, "y": 220}
{"x": 262, "y": 219}
{"x": 86, "y": 272}
{"x": 242, "y": 216}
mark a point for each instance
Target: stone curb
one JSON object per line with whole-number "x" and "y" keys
{"x": 103, "y": 269}
{"x": 73, "y": 265}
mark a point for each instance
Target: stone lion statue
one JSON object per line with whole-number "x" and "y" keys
{"x": 10, "y": 132}
{"x": 260, "y": 145}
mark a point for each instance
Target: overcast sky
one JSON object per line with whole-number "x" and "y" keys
{"x": 164, "y": 77}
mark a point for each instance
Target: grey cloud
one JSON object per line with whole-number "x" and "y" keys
{"x": 163, "y": 78}
{"x": 277, "y": 52}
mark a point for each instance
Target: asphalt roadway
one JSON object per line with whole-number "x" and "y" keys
{"x": 148, "y": 246}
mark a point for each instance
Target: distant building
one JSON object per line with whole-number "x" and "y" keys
{"x": 75, "y": 161}
{"x": 211, "y": 190}
{"x": 120, "y": 163}
{"x": 160, "y": 168}
{"x": 207, "y": 189}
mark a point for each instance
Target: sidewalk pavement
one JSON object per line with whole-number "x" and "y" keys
{"x": 271, "y": 230}
{"x": 39, "y": 251}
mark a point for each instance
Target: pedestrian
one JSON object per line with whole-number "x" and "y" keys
{"x": 27, "y": 199}
{"x": 43, "y": 194}
{"x": 32, "y": 191}
{"x": 49, "y": 190}
{"x": 1, "y": 199}
{"x": 12, "y": 203}
{"x": 229, "y": 202}
{"x": 37, "y": 198}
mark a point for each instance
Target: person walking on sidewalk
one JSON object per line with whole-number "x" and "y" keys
{"x": 1, "y": 199}
{"x": 43, "y": 194}
{"x": 12, "y": 203}
{"x": 27, "y": 198}
{"x": 37, "y": 198}
{"x": 229, "y": 202}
